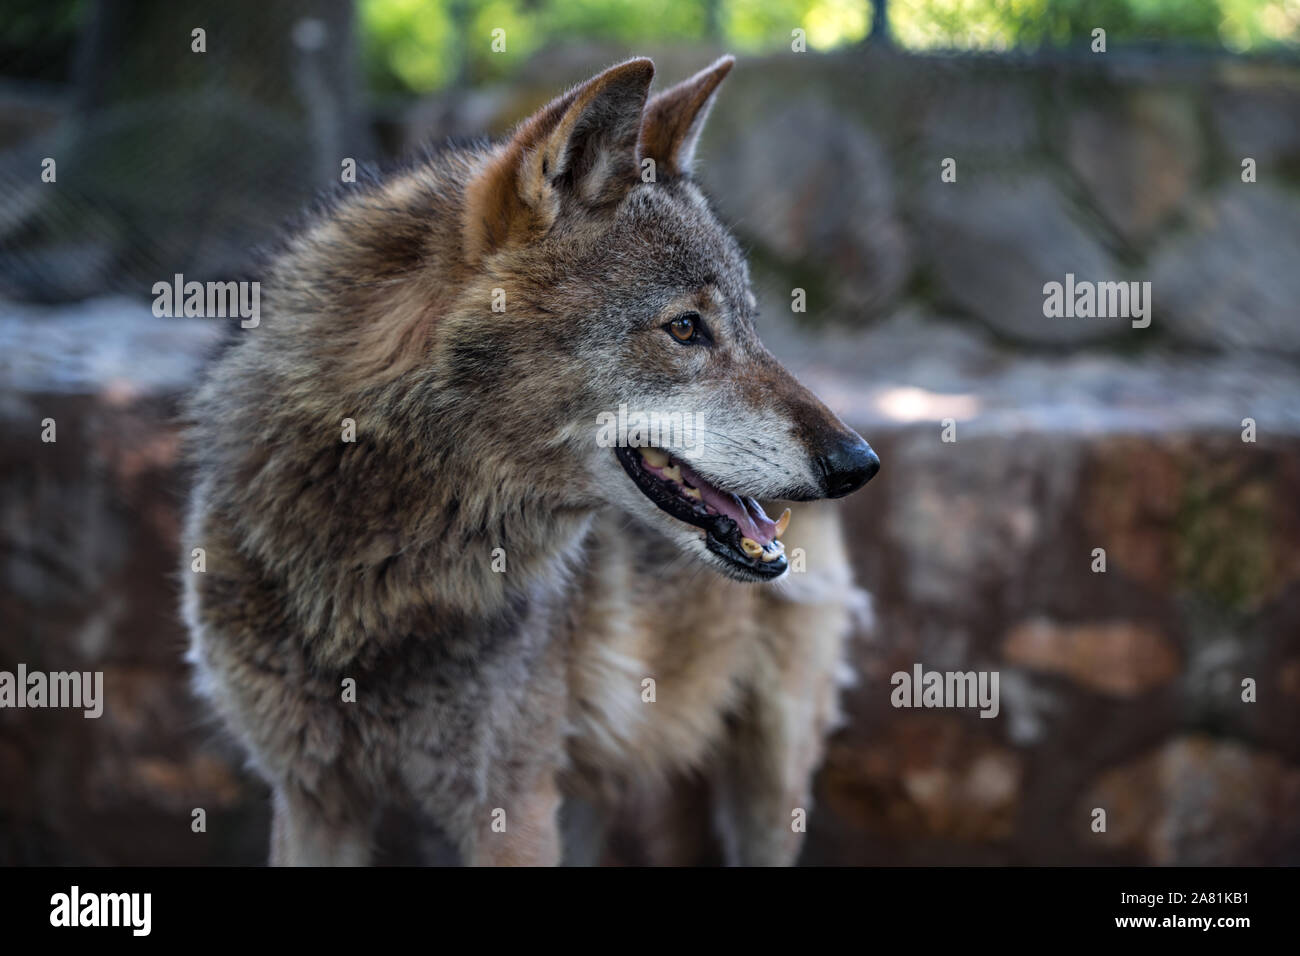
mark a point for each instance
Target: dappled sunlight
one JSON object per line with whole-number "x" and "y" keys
{"x": 832, "y": 23}
{"x": 999, "y": 25}
{"x": 907, "y": 404}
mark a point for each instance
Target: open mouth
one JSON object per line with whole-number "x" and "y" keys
{"x": 735, "y": 528}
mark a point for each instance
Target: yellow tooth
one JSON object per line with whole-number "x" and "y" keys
{"x": 692, "y": 493}
{"x": 751, "y": 547}
{"x": 655, "y": 457}
{"x": 673, "y": 474}
{"x": 773, "y": 551}
{"x": 783, "y": 522}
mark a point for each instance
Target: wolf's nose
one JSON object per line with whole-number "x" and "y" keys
{"x": 847, "y": 466}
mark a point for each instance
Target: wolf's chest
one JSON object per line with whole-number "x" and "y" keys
{"x": 654, "y": 670}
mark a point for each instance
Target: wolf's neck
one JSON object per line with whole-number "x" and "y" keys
{"x": 459, "y": 561}
{"x": 503, "y": 548}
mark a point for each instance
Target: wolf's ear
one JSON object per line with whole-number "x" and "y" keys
{"x": 579, "y": 148}
{"x": 674, "y": 118}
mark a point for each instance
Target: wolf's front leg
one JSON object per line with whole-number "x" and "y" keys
{"x": 309, "y": 831}
{"x": 761, "y": 785}
{"x": 522, "y": 829}
{"x": 763, "y": 789}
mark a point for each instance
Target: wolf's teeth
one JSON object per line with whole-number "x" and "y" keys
{"x": 692, "y": 492}
{"x": 672, "y": 474}
{"x": 772, "y": 553}
{"x": 751, "y": 547}
{"x": 655, "y": 457}
{"x": 783, "y": 522}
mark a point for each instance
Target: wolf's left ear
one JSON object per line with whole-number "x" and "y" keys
{"x": 674, "y": 118}
{"x": 580, "y": 148}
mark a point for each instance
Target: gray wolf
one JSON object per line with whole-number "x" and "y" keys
{"x": 427, "y": 584}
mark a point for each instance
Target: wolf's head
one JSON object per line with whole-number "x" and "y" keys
{"x": 626, "y": 314}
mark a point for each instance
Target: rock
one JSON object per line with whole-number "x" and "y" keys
{"x": 814, "y": 191}
{"x": 1132, "y": 503}
{"x": 1289, "y": 678}
{"x": 994, "y": 244}
{"x": 1197, "y": 801}
{"x": 1139, "y": 158}
{"x": 923, "y": 778}
{"x": 1256, "y": 113}
{"x": 981, "y": 115}
{"x": 960, "y": 540}
{"x": 110, "y": 345}
{"x": 1122, "y": 658}
{"x": 1204, "y": 515}
{"x": 1233, "y": 283}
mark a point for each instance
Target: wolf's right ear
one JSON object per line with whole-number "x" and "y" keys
{"x": 579, "y": 148}
{"x": 674, "y": 118}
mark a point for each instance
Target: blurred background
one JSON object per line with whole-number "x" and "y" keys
{"x": 1120, "y": 690}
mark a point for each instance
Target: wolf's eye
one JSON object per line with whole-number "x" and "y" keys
{"x": 686, "y": 327}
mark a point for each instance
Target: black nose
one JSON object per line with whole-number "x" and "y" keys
{"x": 847, "y": 466}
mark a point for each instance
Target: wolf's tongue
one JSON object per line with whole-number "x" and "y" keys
{"x": 747, "y": 513}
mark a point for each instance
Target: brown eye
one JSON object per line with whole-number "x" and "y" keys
{"x": 685, "y": 327}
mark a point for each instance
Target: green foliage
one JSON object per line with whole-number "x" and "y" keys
{"x": 423, "y": 44}
{"x": 1226, "y": 540}
{"x": 1003, "y": 24}
{"x": 417, "y": 45}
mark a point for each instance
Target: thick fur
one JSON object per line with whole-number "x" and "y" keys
{"x": 486, "y": 696}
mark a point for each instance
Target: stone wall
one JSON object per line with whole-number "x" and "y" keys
{"x": 1119, "y": 166}
{"x": 1119, "y": 690}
